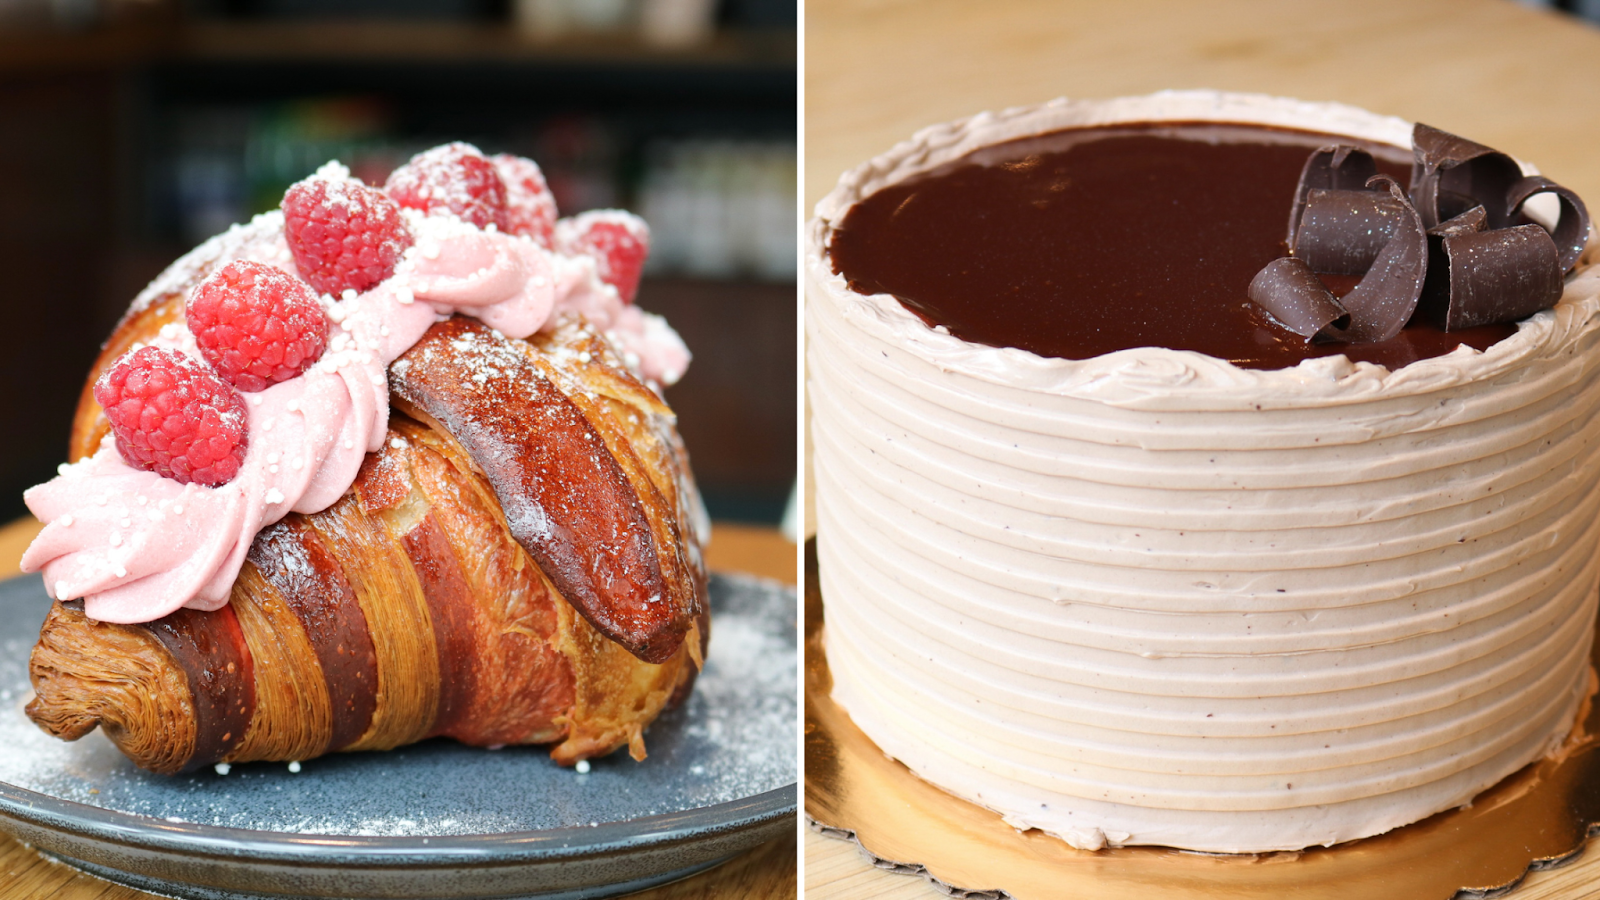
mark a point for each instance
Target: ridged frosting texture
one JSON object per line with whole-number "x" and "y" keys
{"x": 1153, "y": 598}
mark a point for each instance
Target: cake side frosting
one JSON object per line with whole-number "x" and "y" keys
{"x": 1150, "y": 597}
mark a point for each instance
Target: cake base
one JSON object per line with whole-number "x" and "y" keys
{"x": 1536, "y": 818}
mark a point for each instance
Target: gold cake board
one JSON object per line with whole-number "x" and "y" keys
{"x": 1537, "y": 818}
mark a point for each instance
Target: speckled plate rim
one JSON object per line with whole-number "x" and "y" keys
{"x": 80, "y": 820}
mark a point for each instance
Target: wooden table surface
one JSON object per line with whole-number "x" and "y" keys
{"x": 1521, "y": 80}
{"x": 766, "y": 873}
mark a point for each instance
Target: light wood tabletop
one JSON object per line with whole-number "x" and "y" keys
{"x": 1521, "y": 80}
{"x": 766, "y": 873}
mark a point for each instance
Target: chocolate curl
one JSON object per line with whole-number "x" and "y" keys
{"x": 1572, "y": 228}
{"x": 1474, "y": 219}
{"x": 1295, "y": 297}
{"x": 1387, "y": 295}
{"x": 1445, "y": 164}
{"x": 1501, "y": 275}
{"x": 1336, "y": 167}
{"x": 1342, "y": 232}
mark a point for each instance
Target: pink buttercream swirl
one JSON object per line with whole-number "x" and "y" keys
{"x": 137, "y": 546}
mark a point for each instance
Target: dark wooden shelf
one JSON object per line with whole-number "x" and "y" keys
{"x": 379, "y": 42}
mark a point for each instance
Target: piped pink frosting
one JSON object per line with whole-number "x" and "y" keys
{"x": 137, "y": 546}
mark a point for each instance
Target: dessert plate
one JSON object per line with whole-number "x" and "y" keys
{"x": 436, "y": 819}
{"x": 1539, "y": 817}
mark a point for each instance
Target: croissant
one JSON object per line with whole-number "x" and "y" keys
{"x": 519, "y": 564}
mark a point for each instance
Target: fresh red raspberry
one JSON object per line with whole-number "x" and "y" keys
{"x": 173, "y": 416}
{"x": 343, "y": 234}
{"x": 530, "y": 207}
{"x": 257, "y": 325}
{"x": 455, "y": 178}
{"x": 617, "y": 241}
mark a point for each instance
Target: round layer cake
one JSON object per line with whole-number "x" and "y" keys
{"x": 1154, "y": 597}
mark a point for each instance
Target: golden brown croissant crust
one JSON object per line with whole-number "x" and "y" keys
{"x": 520, "y": 563}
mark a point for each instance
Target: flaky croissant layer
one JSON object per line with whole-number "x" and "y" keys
{"x": 433, "y": 598}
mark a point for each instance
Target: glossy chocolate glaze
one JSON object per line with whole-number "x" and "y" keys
{"x": 1088, "y": 241}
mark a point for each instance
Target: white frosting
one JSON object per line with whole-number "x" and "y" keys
{"x": 1153, "y": 598}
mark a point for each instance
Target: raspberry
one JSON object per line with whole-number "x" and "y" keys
{"x": 173, "y": 416}
{"x": 454, "y": 178}
{"x": 530, "y": 207}
{"x": 617, "y": 241}
{"x": 343, "y": 234}
{"x": 257, "y": 325}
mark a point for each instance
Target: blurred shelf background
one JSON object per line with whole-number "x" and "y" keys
{"x": 130, "y": 130}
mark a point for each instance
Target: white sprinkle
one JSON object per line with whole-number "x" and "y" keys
{"x": 396, "y": 443}
{"x": 293, "y": 406}
{"x": 63, "y": 469}
{"x": 116, "y": 539}
{"x": 125, "y": 522}
{"x": 223, "y": 768}
{"x": 584, "y": 357}
{"x": 491, "y": 228}
{"x": 272, "y": 458}
{"x": 582, "y": 767}
{"x": 295, "y": 767}
{"x": 274, "y": 496}
{"x": 267, "y": 425}
{"x": 298, "y": 462}
{"x": 383, "y": 330}
{"x": 66, "y": 520}
{"x": 404, "y": 296}
{"x": 255, "y": 399}
{"x": 143, "y": 500}
{"x": 121, "y": 572}
{"x": 349, "y": 444}
{"x": 177, "y": 509}
{"x": 430, "y": 250}
{"x": 540, "y": 281}
{"x": 348, "y": 295}
{"x": 272, "y": 469}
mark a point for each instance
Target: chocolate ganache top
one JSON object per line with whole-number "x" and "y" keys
{"x": 1087, "y": 241}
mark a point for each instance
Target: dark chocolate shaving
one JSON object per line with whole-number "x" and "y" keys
{"x": 1474, "y": 219}
{"x": 1480, "y": 277}
{"x": 1296, "y": 298}
{"x": 1448, "y": 164}
{"x": 1572, "y": 228}
{"x": 1382, "y": 303}
{"x": 1337, "y": 167}
{"x": 1342, "y": 232}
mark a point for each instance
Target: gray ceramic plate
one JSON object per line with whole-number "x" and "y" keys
{"x": 436, "y": 819}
